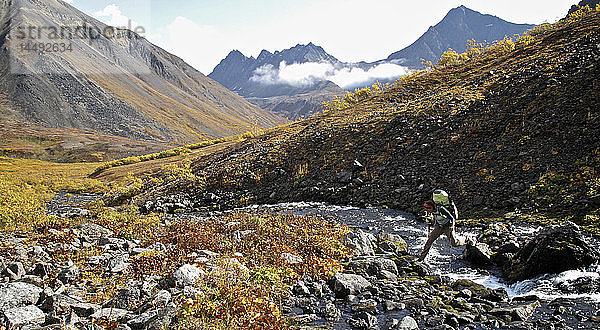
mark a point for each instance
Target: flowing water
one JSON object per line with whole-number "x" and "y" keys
{"x": 447, "y": 261}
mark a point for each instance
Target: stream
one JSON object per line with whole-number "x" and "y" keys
{"x": 445, "y": 260}
{"x": 579, "y": 290}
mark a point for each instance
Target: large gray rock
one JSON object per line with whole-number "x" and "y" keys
{"x": 94, "y": 230}
{"x": 554, "y": 250}
{"x": 187, "y": 275}
{"x": 407, "y": 323}
{"x": 20, "y": 316}
{"x": 348, "y": 284}
{"x": 517, "y": 313}
{"x": 360, "y": 242}
{"x": 18, "y": 294}
{"x": 478, "y": 254}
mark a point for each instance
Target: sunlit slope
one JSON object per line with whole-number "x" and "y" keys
{"x": 511, "y": 127}
{"x": 122, "y": 86}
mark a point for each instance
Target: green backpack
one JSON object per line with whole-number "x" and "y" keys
{"x": 441, "y": 197}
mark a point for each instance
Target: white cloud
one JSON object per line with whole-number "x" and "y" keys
{"x": 68, "y": 1}
{"x": 306, "y": 74}
{"x": 202, "y": 46}
{"x": 112, "y": 16}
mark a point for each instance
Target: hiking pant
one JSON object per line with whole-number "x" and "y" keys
{"x": 436, "y": 233}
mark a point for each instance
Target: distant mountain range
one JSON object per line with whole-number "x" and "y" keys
{"x": 260, "y": 80}
{"x": 117, "y": 84}
{"x": 256, "y": 79}
{"x": 237, "y": 72}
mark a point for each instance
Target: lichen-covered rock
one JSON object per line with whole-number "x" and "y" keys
{"x": 360, "y": 242}
{"x": 20, "y": 316}
{"x": 187, "y": 275}
{"x": 18, "y": 294}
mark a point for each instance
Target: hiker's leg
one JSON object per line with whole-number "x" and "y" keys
{"x": 455, "y": 240}
{"x": 435, "y": 233}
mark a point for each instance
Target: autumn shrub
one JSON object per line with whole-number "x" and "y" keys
{"x": 258, "y": 240}
{"x": 127, "y": 222}
{"x": 352, "y": 98}
{"x": 26, "y": 185}
{"x": 144, "y": 158}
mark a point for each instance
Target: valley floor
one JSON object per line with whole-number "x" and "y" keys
{"x": 70, "y": 261}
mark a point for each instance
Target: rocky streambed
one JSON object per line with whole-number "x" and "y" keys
{"x": 382, "y": 285}
{"x": 385, "y": 287}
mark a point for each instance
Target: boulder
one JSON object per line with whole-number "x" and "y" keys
{"x": 18, "y": 294}
{"x": 407, "y": 323}
{"x": 348, "y": 284}
{"x": 14, "y": 271}
{"x": 478, "y": 254}
{"x": 360, "y": 242}
{"x": 94, "y": 230}
{"x": 20, "y": 316}
{"x": 517, "y": 313}
{"x": 554, "y": 250}
{"x": 187, "y": 275}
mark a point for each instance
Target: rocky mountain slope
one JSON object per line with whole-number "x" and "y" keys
{"x": 118, "y": 84}
{"x": 458, "y": 27}
{"x": 513, "y": 129}
{"x": 583, "y": 3}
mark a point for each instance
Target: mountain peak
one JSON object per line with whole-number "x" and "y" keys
{"x": 235, "y": 54}
{"x": 460, "y": 25}
{"x": 462, "y": 10}
{"x": 264, "y": 54}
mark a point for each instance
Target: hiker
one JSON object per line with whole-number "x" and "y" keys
{"x": 442, "y": 211}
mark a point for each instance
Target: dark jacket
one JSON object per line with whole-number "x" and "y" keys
{"x": 446, "y": 216}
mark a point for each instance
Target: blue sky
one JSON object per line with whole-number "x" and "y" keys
{"x": 203, "y": 32}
